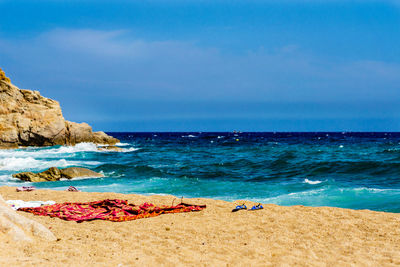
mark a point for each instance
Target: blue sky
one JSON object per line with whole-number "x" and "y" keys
{"x": 210, "y": 65}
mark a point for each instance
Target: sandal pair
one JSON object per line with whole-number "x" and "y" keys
{"x": 25, "y": 188}
{"x": 243, "y": 207}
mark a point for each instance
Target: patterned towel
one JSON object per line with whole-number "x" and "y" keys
{"x": 115, "y": 210}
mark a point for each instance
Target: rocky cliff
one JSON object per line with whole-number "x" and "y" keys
{"x": 29, "y": 119}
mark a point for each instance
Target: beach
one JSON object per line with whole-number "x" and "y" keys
{"x": 199, "y": 133}
{"x": 273, "y": 236}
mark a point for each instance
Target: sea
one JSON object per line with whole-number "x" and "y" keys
{"x": 340, "y": 169}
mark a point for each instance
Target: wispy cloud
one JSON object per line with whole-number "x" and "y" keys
{"x": 168, "y": 69}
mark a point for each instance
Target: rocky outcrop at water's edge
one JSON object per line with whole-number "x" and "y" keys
{"x": 29, "y": 119}
{"x": 55, "y": 174}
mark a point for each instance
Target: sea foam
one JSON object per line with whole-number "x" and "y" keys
{"x": 17, "y": 164}
{"x": 311, "y": 182}
{"x": 130, "y": 149}
{"x": 49, "y": 151}
{"x": 122, "y": 144}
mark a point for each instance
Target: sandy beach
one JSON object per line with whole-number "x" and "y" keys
{"x": 274, "y": 236}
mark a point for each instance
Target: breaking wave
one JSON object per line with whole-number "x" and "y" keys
{"x": 312, "y": 182}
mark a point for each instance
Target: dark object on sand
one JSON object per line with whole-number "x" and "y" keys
{"x": 25, "y": 188}
{"x": 257, "y": 207}
{"x": 240, "y": 207}
{"x": 72, "y": 189}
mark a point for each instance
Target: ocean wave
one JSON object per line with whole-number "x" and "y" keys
{"x": 113, "y": 168}
{"x": 157, "y": 179}
{"x": 131, "y": 149}
{"x": 237, "y": 163}
{"x": 29, "y": 163}
{"x": 81, "y": 147}
{"x": 147, "y": 170}
{"x": 49, "y": 151}
{"x": 351, "y": 167}
{"x": 189, "y": 136}
{"x": 81, "y": 178}
{"x": 131, "y": 170}
{"x": 6, "y": 178}
{"x": 55, "y": 152}
{"x": 311, "y": 182}
{"x": 375, "y": 190}
{"x": 122, "y": 144}
{"x": 385, "y": 199}
{"x": 113, "y": 174}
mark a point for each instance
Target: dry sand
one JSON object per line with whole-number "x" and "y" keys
{"x": 275, "y": 236}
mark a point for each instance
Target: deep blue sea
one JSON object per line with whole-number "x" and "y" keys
{"x": 348, "y": 170}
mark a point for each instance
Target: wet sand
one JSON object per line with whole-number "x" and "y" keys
{"x": 274, "y": 236}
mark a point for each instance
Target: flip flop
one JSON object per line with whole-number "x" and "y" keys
{"x": 25, "y": 188}
{"x": 240, "y": 207}
{"x": 257, "y": 207}
{"x": 72, "y": 189}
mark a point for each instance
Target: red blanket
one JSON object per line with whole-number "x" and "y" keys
{"x": 115, "y": 210}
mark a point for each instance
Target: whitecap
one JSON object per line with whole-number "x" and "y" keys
{"x": 6, "y": 178}
{"x": 84, "y": 178}
{"x": 130, "y": 149}
{"x": 311, "y": 182}
{"x": 376, "y": 190}
{"x": 81, "y": 147}
{"x": 112, "y": 174}
{"x": 29, "y": 163}
{"x": 49, "y": 151}
{"x": 122, "y": 144}
{"x": 290, "y": 196}
{"x": 13, "y": 163}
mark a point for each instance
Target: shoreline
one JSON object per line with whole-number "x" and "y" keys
{"x": 276, "y": 235}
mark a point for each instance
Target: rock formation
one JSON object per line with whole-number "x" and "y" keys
{"x": 110, "y": 148}
{"x": 55, "y": 174}
{"x": 29, "y": 119}
{"x": 3, "y": 76}
{"x": 19, "y": 227}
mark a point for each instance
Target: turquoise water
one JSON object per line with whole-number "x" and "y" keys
{"x": 349, "y": 170}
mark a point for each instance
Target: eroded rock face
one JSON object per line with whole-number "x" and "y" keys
{"x": 55, "y": 174}
{"x": 29, "y": 119}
